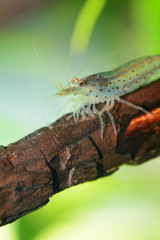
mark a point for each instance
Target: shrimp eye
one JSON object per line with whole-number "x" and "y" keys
{"x": 81, "y": 83}
{"x": 75, "y": 80}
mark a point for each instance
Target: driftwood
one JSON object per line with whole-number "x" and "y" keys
{"x": 67, "y": 153}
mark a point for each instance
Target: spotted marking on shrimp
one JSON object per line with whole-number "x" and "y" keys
{"x": 108, "y": 87}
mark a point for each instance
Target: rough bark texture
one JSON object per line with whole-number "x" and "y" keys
{"x": 68, "y": 153}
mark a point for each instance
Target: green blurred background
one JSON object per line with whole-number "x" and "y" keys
{"x": 69, "y": 35}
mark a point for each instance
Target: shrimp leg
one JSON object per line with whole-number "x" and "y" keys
{"x": 108, "y": 106}
{"x": 133, "y": 105}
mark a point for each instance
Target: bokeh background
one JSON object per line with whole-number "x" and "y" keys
{"x": 68, "y": 36}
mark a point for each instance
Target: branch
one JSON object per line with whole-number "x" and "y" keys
{"x": 67, "y": 153}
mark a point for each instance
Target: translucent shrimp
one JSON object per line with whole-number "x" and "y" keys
{"x": 106, "y": 87}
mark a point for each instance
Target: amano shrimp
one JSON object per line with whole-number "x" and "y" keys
{"x": 108, "y": 87}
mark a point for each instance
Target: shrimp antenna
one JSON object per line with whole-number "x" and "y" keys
{"x": 98, "y": 60}
{"x": 68, "y": 65}
{"x": 66, "y": 105}
{"x": 49, "y": 107}
{"x": 34, "y": 106}
{"x": 44, "y": 68}
{"x": 58, "y": 77}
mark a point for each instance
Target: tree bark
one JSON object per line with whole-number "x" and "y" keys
{"x": 68, "y": 153}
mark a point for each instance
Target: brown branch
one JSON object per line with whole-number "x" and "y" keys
{"x": 68, "y": 153}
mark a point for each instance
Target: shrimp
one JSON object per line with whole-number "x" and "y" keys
{"x": 108, "y": 87}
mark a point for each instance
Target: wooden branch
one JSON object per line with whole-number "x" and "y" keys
{"x": 68, "y": 153}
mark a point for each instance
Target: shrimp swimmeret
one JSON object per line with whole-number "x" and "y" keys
{"x": 106, "y": 87}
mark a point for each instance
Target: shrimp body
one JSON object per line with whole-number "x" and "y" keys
{"x": 106, "y": 87}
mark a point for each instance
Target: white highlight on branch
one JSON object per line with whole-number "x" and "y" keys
{"x": 64, "y": 159}
{"x": 70, "y": 176}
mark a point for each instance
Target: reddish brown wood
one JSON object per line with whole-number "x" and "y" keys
{"x": 68, "y": 153}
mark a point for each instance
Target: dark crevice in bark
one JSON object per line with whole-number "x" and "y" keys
{"x": 100, "y": 168}
{"x": 55, "y": 179}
